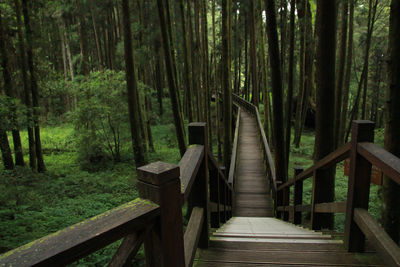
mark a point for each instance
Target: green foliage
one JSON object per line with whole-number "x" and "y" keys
{"x": 100, "y": 119}
{"x": 12, "y": 113}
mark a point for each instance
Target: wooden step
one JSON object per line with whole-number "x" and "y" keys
{"x": 283, "y": 257}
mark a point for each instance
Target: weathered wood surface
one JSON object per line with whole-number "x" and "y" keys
{"x": 328, "y": 161}
{"x": 81, "y": 239}
{"x": 127, "y": 250}
{"x": 384, "y": 160}
{"x": 189, "y": 166}
{"x": 192, "y": 234}
{"x": 232, "y": 168}
{"x": 380, "y": 239}
{"x": 252, "y": 191}
{"x": 254, "y": 241}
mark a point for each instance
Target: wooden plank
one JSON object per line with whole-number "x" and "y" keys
{"x": 380, "y": 239}
{"x": 333, "y": 158}
{"x": 192, "y": 234}
{"x": 189, "y": 166}
{"x": 298, "y": 196}
{"x": 332, "y": 207}
{"x": 384, "y": 160}
{"x": 83, "y": 238}
{"x": 232, "y": 167}
{"x": 296, "y": 257}
{"x": 127, "y": 250}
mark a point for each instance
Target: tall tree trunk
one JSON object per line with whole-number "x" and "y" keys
{"x": 9, "y": 90}
{"x": 277, "y": 94}
{"x": 6, "y": 151}
{"x": 371, "y": 22}
{"x": 131, "y": 83}
{"x": 159, "y": 76}
{"x": 301, "y": 10}
{"x": 34, "y": 89}
{"x": 173, "y": 89}
{"x": 82, "y": 38}
{"x": 341, "y": 67}
{"x": 325, "y": 115}
{"x": 289, "y": 100}
{"x": 253, "y": 56}
{"x": 187, "y": 62}
{"x": 194, "y": 70}
{"x": 391, "y": 190}
{"x": 346, "y": 83}
{"x": 96, "y": 35}
{"x": 27, "y": 93}
{"x": 226, "y": 79}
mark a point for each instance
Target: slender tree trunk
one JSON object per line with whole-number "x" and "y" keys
{"x": 341, "y": 68}
{"x": 253, "y": 56}
{"x": 171, "y": 67}
{"x": 325, "y": 115}
{"x": 96, "y": 35}
{"x": 391, "y": 190}
{"x": 289, "y": 100}
{"x": 277, "y": 94}
{"x": 34, "y": 89}
{"x": 346, "y": 83}
{"x": 187, "y": 62}
{"x": 131, "y": 83}
{"x": 301, "y": 9}
{"x": 226, "y": 79}
{"x": 9, "y": 88}
{"x": 159, "y": 77}
{"x": 27, "y": 93}
{"x": 6, "y": 151}
{"x": 194, "y": 70}
{"x": 82, "y": 38}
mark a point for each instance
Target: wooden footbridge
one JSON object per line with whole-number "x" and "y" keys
{"x": 241, "y": 217}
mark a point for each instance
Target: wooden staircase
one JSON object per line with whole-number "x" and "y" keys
{"x": 263, "y": 241}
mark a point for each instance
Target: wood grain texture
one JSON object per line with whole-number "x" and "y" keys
{"x": 192, "y": 234}
{"x": 189, "y": 166}
{"x": 81, "y": 239}
{"x": 252, "y": 188}
{"x": 380, "y": 239}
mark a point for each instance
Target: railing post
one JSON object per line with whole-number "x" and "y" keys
{"x": 298, "y": 196}
{"x": 359, "y": 184}
{"x": 285, "y": 202}
{"x": 160, "y": 183}
{"x": 222, "y": 197}
{"x": 279, "y": 202}
{"x": 198, "y": 135}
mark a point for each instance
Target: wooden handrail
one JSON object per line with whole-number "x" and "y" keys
{"x": 384, "y": 160}
{"x": 192, "y": 234}
{"x": 331, "y": 207}
{"x": 81, "y": 239}
{"x": 189, "y": 166}
{"x": 380, "y": 239}
{"x": 232, "y": 167}
{"x": 331, "y": 159}
{"x": 215, "y": 164}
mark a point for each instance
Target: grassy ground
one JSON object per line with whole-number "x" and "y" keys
{"x": 34, "y": 205}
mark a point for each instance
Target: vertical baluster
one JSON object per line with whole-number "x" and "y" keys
{"x": 298, "y": 196}
{"x": 359, "y": 184}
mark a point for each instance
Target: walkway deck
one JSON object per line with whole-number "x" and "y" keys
{"x": 252, "y": 238}
{"x": 252, "y": 197}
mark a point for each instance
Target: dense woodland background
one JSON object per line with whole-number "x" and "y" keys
{"x": 92, "y": 89}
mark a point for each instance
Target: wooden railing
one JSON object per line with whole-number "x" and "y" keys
{"x": 155, "y": 219}
{"x": 363, "y": 153}
{"x": 267, "y": 155}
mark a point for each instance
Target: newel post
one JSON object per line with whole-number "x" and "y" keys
{"x": 160, "y": 183}
{"x": 298, "y": 195}
{"x": 359, "y": 183}
{"x": 199, "y": 195}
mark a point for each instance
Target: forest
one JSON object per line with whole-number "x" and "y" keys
{"x": 92, "y": 90}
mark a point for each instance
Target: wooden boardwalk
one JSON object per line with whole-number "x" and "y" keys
{"x": 255, "y": 241}
{"x": 252, "y": 197}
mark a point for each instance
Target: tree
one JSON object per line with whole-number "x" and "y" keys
{"x": 171, "y": 75}
{"x": 226, "y": 79}
{"x": 9, "y": 90}
{"x": 131, "y": 85}
{"x": 391, "y": 190}
{"x": 325, "y": 115}
{"x": 253, "y": 56}
{"x": 277, "y": 94}
{"x": 34, "y": 87}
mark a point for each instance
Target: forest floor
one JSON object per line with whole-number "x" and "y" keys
{"x": 33, "y": 205}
